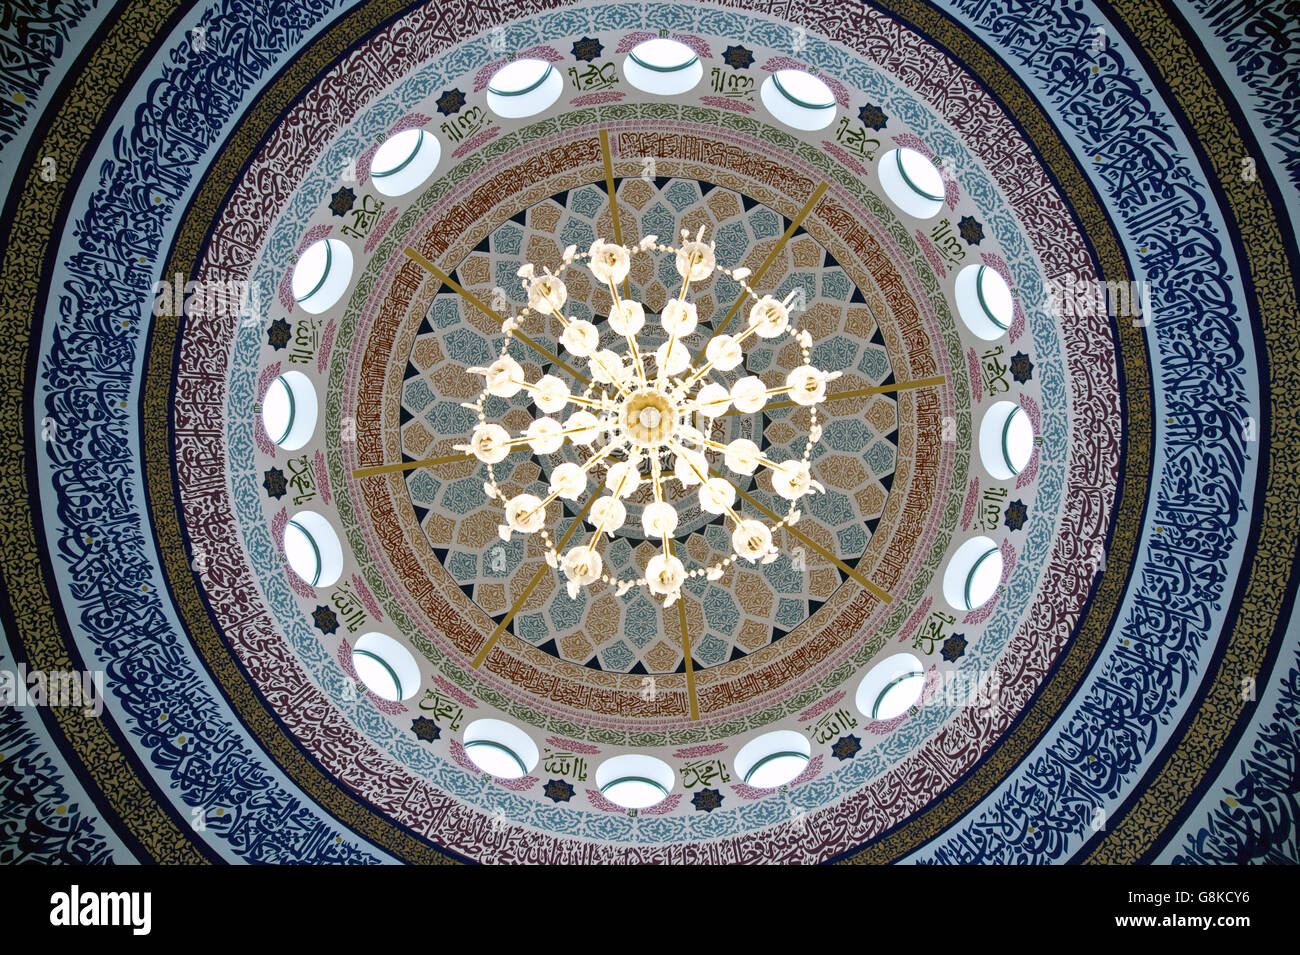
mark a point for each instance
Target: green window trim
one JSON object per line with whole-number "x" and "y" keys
{"x": 970, "y": 577}
{"x": 546, "y": 74}
{"x": 329, "y": 260}
{"x": 768, "y": 758}
{"x": 493, "y": 744}
{"x": 1006, "y": 452}
{"x": 979, "y": 291}
{"x": 776, "y": 80}
{"x": 419, "y": 144}
{"x": 315, "y": 548}
{"x": 686, "y": 64}
{"x": 397, "y": 684}
{"x": 880, "y": 697}
{"x": 898, "y": 159}
{"x": 292, "y": 410}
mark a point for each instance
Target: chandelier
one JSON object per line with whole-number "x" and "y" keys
{"x": 646, "y": 419}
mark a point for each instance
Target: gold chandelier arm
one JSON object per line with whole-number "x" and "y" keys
{"x": 631, "y": 340}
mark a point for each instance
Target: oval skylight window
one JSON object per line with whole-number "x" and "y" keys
{"x": 891, "y": 687}
{"x": 500, "y": 749}
{"x": 386, "y": 667}
{"x": 973, "y": 574}
{"x": 404, "y": 161}
{"x": 635, "y": 781}
{"x": 798, "y": 99}
{"x": 313, "y": 549}
{"x": 322, "y": 274}
{"x": 289, "y": 410}
{"x": 773, "y": 759}
{"x": 523, "y": 88}
{"x": 1006, "y": 440}
{"x": 912, "y": 182}
{"x": 663, "y": 66}
{"x": 984, "y": 301}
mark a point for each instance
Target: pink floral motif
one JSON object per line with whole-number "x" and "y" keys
{"x": 268, "y": 375}
{"x": 749, "y": 792}
{"x": 1030, "y": 472}
{"x": 278, "y": 523}
{"x": 976, "y": 379}
{"x": 1017, "y": 322}
{"x": 843, "y": 157}
{"x": 285, "y": 291}
{"x": 632, "y": 39}
{"x": 1030, "y": 404}
{"x": 930, "y": 253}
{"x": 695, "y": 43}
{"x": 932, "y": 682}
{"x": 913, "y": 141}
{"x": 997, "y": 264}
{"x": 668, "y": 804}
{"x": 475, "y": 141}
{"x": 881, "y": 727}
{"x": 783, "y": 63}
{"x": 982, "y": 613}
{"x": 517, "y": 785}
{"x": 915, "y": 619}
{"x": 410, "y": 121}
{"x": 1008, "y": 561}
{"x": 314, "y": 233}
{"x": 722, "y": 102}
{"x": 381, "y": 229}
{"x": 485, "y": 74}
{"x": 600, "y": 802}
{"x": 695, "y": 752}
{"x": 322, "y": 476}
{"x": 968, "y": 509}
{"x": 326, "y": 344}
{"x": 950, "y": 191}
{"x": 391, "y": 707}
{"x": 837, "y": 88}
{"x": 591, "y": 99}
{"x": 264, "y": 443}
{"x": 817, "y": 709}
{"x": 367, "y": 598}
{"x": 810, "y": 771}
{"x": 300, "y": 586}
{"x": 363, "y": 164}
{"x": 459, "y": 756}
{"x": 572, "y": 746}
{"x": 455, "y": 692}
{"x": 345, "y": 661}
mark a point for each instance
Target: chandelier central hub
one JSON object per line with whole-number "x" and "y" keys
{"x": 641, "y": 420}
{"x": 649, "y": 419}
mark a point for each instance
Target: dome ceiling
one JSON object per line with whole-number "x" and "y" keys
{"x": 254, "y": 320}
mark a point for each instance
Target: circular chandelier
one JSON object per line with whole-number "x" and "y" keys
{"x": 645, "y": 419}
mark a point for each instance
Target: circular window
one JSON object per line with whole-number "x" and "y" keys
{"x": 663, "y": 66}
{"x": 404, "y": 161}
{"x": 973, "y": 574}
{"x": 1006, "y": 440}
{"x": 634, "y": 781}
{"x": 500, "y": 749}
{"x": 773, "y": 759}
{"x": 798, "y": 99}
{"x": 289, "y": 410}
{"x": 523, "y": 88}
{"x": 891, "y": 687}
{"x": 984, "y": 301}
{"x": 322, "y": 274}
{"x": 313, "y": 549}
{"x": 912, "y": 182}
{"x": 386, "y": 667}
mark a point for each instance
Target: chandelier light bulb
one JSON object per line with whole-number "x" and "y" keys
{"x": 646, "y": 417}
